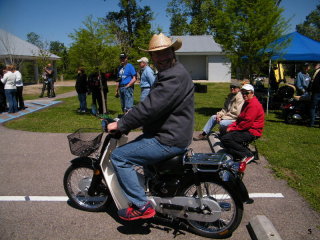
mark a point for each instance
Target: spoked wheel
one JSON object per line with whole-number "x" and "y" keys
{"x": 231, "y": 210}
{"x": 77, "y": 181}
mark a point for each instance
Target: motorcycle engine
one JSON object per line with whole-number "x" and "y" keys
{"x": 167, "y": 188}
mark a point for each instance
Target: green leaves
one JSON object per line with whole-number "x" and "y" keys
{"x": 191, "y": 17}
{"x": 93, "y": 46}
{"x": 245, "y": 27}
{"x": 311, "y": 26}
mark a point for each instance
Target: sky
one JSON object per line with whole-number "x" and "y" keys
{"x": 54, "y": 20}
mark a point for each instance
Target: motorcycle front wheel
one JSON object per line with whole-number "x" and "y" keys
{"x": 231, "y": 209}
{"x": 77, "y": 181}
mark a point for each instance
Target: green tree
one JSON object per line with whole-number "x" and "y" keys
{"x": 59, "y": 49}
{"x": 93, "y": 47}
{"x": 131, "y": 26}
{"x": 43, "y": 52}
{"x": 311, "y": 26}
{"x": 191, "y": 16}
{"x": 35, "y": 39}
{"x": 244, "y": 28}
{"x": 178, "y": 18}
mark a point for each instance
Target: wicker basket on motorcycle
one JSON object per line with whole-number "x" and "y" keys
{"x": 84, "y": 141}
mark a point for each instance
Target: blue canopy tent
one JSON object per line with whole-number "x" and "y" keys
{"x": 297, "y": 48}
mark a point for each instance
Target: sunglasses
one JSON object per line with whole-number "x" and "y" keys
{"x": 245, "y": 92}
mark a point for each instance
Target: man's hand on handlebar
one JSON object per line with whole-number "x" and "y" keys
{"x": 113, "y": 127}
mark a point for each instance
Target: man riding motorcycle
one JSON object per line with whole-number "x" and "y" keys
{"x": 166, "y": 115}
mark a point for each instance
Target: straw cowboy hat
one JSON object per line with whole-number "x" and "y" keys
{"x": 161, "y": 42}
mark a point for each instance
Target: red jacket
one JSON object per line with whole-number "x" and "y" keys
{"x": 251, "y": 118}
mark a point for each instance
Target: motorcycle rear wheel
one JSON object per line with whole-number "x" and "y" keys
{"x": 77, "y": 180}
{"x": 231, "y": 212}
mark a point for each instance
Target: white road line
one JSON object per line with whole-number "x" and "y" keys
{"x": 266, "y": 195}
{"x": 65, "y": 198}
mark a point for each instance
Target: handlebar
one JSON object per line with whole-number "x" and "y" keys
{"x": 104, "y": 123}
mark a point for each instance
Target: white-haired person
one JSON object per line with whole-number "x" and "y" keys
{"x": 147, "y": 77}
{"x": 248, "y": 126}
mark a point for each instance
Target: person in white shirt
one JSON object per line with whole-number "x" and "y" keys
{"x": 19, "y": 85}
{"x": 10, "y": 89}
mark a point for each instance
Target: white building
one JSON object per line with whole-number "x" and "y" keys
{"x": 14, "y": 49}
{"x": 204, "y": 58}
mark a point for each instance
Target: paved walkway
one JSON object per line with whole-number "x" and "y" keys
{"x": 35, "y": 105}
{"x": 31, "y": 106}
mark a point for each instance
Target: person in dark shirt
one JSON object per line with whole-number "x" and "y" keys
{"x": 167, "y": 117}
{"x": 95, "y": 89}
{"x": 3, "y": 102}
{"x": 82, "y": 89}
{"x": 315, "y": 95}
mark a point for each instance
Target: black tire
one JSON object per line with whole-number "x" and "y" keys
{"x": 77, "y": 180}
{"x": 289, "y": 119}
{"x": 230, "y": 218}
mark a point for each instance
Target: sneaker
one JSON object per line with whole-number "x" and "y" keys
{"x": 247, "y": 160}
{"x": 134, "y": 213}
{"x": 200, "y": 137}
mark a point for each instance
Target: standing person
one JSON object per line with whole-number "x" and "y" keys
{"x": 227, "y": 115}
{"x": 248, "y": 126}
{"x": 303, "y": 80}
{"x": 166, "y": 115}
{"x": 44, "y": 84}
{"x": 3, "y": 102}
{"x": 19, "y": 85}
{"x": 10, "y": 89}
{"x": 95, "y": 88}
{"x": 127, "y": 75}
{"x": 50, "y": 78}
{"x": 82, "y": 89}
{"x": 315, "y": 94}
{"x": 147, "y": 77}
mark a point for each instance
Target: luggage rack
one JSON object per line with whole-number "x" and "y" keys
{"x": 207, "y": 162}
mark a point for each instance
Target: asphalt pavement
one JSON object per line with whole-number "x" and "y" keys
{"x": 33, "y": 165}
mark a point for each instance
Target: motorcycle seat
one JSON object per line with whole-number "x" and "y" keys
{"x": 170, "y": 163}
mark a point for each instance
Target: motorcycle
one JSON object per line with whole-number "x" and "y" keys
{"x": 295, "y": 109}
{"x": 203, "y": 192}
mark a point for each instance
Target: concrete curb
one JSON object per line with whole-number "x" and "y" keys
{"x": 261, "y": 228}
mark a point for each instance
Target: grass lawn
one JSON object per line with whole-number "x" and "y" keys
{"x": 292, "y": 150}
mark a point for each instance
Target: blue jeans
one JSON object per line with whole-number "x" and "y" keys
{"x": 144, "y": 92}
{"x": 11, "y": 98}
{"x": 213, "y": 121}
{"x": 143, "y": 151}
{"x": 83, "y": 101}
{"x": 315, "y": 102}
{"x": 126, "y": 98}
